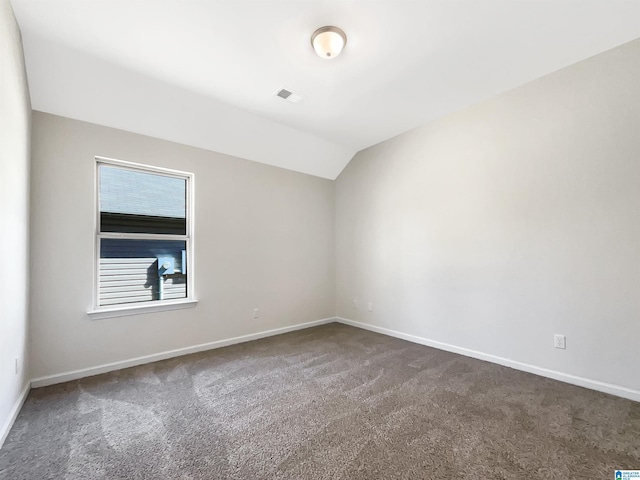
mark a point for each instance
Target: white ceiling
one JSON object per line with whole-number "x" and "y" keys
{"x": 204, "y": 73}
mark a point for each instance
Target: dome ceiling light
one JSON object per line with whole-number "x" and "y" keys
{"x": 328, "y": 42}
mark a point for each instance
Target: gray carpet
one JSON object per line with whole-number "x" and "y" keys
{"x": 332, "y": 402}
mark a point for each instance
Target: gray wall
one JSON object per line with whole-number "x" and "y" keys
{"x": 15, "y": 118}
{"x": 263, "y": 239}
{"x": 498, "y": 226}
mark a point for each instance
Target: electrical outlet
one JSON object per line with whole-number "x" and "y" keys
{"x": 559, "y": 341}
{"x": 370, "y": 307}
{"x": 256, "y": 312}
{"x": 355, "y": 303}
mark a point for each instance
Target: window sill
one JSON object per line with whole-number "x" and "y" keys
{"x": 125, "y": 311}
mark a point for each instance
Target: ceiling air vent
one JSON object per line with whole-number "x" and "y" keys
{"x": 288, "y": 95}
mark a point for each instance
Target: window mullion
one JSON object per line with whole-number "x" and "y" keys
{"x": 142, "y": 236}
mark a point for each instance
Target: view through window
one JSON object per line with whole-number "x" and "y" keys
{"x": 143, "y": 236}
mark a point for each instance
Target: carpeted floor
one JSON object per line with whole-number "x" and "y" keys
{"x": 332, "y": 402}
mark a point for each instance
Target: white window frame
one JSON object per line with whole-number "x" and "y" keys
{"x": 97, "y": 311}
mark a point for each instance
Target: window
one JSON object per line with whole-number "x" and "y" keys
{"x": 143, "y": 236}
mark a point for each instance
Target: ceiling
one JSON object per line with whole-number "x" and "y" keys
{"x": 204, "y": 73}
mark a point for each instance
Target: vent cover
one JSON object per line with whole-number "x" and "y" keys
{"x": 288, "y": 95}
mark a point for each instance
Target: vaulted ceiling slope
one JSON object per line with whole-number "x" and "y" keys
{"x": 204, "y": 73}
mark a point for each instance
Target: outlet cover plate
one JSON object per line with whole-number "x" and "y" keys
{"x": 559, "y": 341}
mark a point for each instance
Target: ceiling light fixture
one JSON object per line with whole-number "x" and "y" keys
{"x": 328, "y": 42}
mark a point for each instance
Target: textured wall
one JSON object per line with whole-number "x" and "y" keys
{"x": 15, "y": 119}
{"x": 263, "y": 239}
{"x": 498, "y": 226}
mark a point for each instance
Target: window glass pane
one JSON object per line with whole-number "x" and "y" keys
{"x": 140, "y": 202}
{"x": 134, "y": 271}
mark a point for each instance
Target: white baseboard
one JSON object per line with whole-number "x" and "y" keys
{"x": 109, "y": 367}
{"x": 6, "y": 428}
{"x": 616, "y": 390}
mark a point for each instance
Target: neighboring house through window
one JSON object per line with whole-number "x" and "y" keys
{"x": 143, "y": 235}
